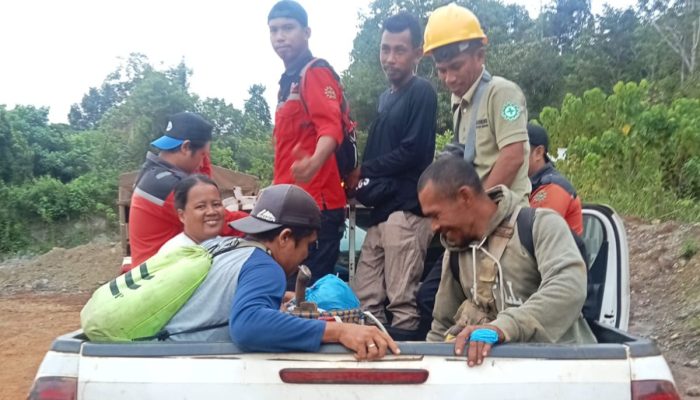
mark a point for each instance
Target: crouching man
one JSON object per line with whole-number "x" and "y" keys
{"x": 491, "y": 291}
{"x": 241, "y": 296}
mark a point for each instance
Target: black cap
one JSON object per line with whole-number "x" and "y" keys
{"x": 289, "y": 9}
{"x": 183, "y": 126}
{"x": 281, "y": 205}
{"x": 538, "y": 137}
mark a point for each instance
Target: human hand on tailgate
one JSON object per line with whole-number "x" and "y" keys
{"x": 480, "y": 338}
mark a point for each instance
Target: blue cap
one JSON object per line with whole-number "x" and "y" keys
{"x": 167, "y": 143}
{"x": 183, "y": 126}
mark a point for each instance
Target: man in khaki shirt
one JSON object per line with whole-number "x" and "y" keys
{"x": 490, "y": 113}
{"x": 490, "y": 116}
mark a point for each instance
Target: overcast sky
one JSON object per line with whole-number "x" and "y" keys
{"x": 54, "y": 51}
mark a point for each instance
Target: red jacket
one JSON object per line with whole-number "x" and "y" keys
{"x": 294, "y": 126}
{"x": 153, "y": 219}
{"x": 551, "y": 190}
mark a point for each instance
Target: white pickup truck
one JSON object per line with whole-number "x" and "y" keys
{"x": 620, "y": 366}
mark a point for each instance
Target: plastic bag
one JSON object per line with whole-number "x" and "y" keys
{"x": 331, "y": 293}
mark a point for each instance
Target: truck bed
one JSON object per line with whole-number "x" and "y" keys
{"x": 423, "y": 370}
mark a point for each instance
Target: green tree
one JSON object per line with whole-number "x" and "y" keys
{"x": 677, "y": 23}
{"x": 227, "y": 120}
{"x": 256, "y": 106}
{"x": 143, "y": 115}
{"x": 566, "y": 20}
{"x": 115, "y": 89}
{"x": 7, "y": 157}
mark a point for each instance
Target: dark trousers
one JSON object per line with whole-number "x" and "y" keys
{"x": 322, "y": 258}
{"x": 425, "y": 298}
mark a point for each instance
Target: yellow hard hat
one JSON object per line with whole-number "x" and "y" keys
{"x": 451, "y": 24}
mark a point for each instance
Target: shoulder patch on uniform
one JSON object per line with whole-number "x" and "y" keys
{"x": 330, "y": 93}
{"x": 540, "y": 196}
{"x": 510, "y": 111}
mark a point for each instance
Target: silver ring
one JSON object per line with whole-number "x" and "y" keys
{"x": 369, "y": 346}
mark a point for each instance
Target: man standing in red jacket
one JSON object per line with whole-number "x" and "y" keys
{"x": 184, "y": 150}
{"x": 308, "y": 131}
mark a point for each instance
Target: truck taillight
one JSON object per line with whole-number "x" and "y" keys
{"x": 54, "y": 388}
{"x": 654, "y": 390}
{"x": 354, "y": 376}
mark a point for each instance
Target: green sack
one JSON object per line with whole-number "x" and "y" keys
{"x": 140, "y": 302}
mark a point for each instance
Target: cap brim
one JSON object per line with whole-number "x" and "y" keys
{"x": 166, "y": 143}
{"x": 253, "y": 225}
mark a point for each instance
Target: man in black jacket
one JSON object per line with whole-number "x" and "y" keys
{"x": 400, "y": 146}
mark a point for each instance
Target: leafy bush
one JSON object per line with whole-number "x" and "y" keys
{"x": 623, "y": 149}
{"x": 49, "y": 203}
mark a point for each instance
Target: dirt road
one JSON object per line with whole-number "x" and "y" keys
{"x": 28, "y": 324}
{"x": 41, "y": 298}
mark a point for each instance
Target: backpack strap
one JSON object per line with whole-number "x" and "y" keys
{"x": 526, "y": 223}
{"x": 234, "y": 244}
{"x": 503, "y": 234}
{"x": 497, "y": 246}
{"x": 347, "y": 158}
{"x": 320, "y": 62}
{"x": 488, "y": 269}
{"x": 470, "y": 142}
{"x": 163, "y": 334}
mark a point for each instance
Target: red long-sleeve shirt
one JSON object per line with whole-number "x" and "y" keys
{"x": 295, "y": 126}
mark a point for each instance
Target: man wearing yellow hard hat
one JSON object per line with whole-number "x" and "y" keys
{"x": 490, "y": 117}
{"x": 490, "y": 114}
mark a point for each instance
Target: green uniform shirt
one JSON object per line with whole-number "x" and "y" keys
{"x": 501, "y": 120}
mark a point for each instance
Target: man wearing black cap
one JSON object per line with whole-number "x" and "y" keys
{"x": 152, "y": 216}
{"x": 246, "y": 286}
{"x": 308, "y": 129}
{"x": 549, "y": 188}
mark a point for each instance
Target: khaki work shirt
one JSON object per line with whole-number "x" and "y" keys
{"x": 501, "y": 120}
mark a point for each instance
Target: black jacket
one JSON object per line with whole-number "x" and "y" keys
{"x": 401, "y": 144}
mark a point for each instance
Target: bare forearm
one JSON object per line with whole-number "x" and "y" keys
{"x": 331, "y": 334}
{"x": 509, "y": 161}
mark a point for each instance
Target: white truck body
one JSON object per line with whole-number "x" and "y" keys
{"x": 618, "y": 367}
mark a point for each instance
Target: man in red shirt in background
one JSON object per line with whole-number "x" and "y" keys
{"x": 307, "y": 133}
{"x": 549, "y": 188}
{"x": 153, "y": 220}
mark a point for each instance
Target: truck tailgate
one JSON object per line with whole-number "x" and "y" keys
{"x": 423, "y": 371}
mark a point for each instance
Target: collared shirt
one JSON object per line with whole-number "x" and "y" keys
{"x": 501, "y": 120}
{"x": 291, "y": 76}
{"x": 299, "y": 126}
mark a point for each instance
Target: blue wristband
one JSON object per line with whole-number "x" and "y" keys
{"x": 484, "y": 335}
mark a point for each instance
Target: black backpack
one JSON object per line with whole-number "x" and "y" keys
{"x": 346, "y": 154}
{"x": 526, "y": 221}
